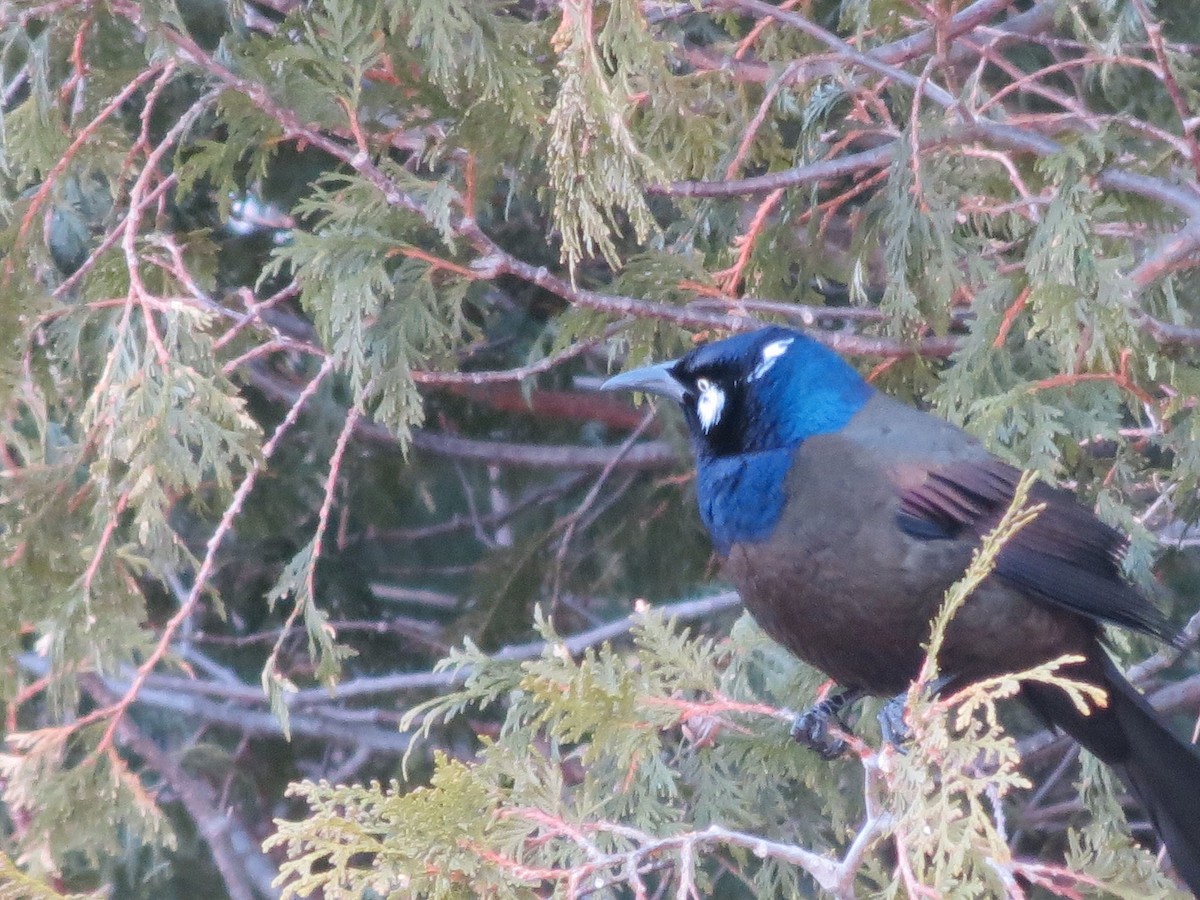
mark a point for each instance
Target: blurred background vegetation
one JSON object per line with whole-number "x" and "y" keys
{"x": 304, "y": 307}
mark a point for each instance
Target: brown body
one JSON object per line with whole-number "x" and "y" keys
{"x": 865, "y": 623}
{"x": 882, "y": 516}
{"x": 844, "y": 516}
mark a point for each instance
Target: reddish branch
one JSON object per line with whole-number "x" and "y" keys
{"x": 493, "y": 262}
{"x": 1122, "y": 378}
{"x": 115, "y": 713}
{"x": 1010, "y": 316}
{"x": 244, "y": 868}
{"x": 86, "y": 135}
{"x": 1166, "y": 74}
{"x": 731, "y": 279}
{"x": 303, "y": 603}
{"x": 561, "y": 406}
{"x": 646, "y": 455}
{"x": 489, "y": 261}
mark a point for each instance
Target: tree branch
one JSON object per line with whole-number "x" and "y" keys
{"x": 245, "y": 869}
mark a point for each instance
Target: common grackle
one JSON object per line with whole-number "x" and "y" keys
{"x": 843, "y": 516}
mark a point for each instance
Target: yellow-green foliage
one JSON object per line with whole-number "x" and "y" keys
{"x": 452, "y": 193}
{"x": 668, "y": 761}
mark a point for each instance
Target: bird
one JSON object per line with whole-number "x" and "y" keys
{"x": 842, "y": 517}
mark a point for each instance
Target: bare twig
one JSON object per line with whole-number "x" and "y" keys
{"x": 245, "y": 869}
{"x": 570, "y": 523}
{"x": 115, "y": 713}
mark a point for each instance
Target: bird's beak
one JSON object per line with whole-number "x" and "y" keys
{"x": 655, "y": 379}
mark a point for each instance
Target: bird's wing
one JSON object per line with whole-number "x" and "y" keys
{"x": 1066, "y": 556}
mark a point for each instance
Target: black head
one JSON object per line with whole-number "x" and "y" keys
{"x": 761, "y": 390}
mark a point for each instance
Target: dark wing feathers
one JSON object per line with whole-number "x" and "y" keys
{"x": 1066, "y": 556}
{"x": 1054, "y": 581}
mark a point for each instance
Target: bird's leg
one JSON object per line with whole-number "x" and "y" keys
{"x": 892, "y": 726}
{"x": 811, "y": 728}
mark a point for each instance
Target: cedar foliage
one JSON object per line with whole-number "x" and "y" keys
{"x": 303, "y": 307}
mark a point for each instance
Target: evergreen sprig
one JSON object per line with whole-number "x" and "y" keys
{"x": 301, "y": 305}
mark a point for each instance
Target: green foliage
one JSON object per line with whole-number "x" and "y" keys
{"x": 297, "y": 300}
{"x": 78, "y": 805}
{"x": 608, "y": 768}
{"x": 676, "y": 730}
{"x": 473, "y": 53}
{"x": 589, "y": 747}
{"x": 596, "y": 168}
{"x": 16, "y": 885}
{"x": 1104, "y": 845}
{"x": 962, "y": 764}
{"x": 296, "y": 586}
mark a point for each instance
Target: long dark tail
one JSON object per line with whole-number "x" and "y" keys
{"x": 1161, "y": 769}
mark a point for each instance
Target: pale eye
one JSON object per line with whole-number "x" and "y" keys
{"x": 710, "y": 404}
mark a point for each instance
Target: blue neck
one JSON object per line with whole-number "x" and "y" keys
{"x": 741, "y": 488}
{"x": 742, "y": 497}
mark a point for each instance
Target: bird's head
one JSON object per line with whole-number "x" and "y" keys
{"x": 762, "y": 390}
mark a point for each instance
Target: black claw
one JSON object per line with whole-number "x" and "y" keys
{"x": 811, "y": 728}
{"x": 892, "y": 726}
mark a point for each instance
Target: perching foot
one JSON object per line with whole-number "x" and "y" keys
{"x": 892, "y": 726}
{"x": 811, "y": 728}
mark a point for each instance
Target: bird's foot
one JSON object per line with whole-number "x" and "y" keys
{"x": 892, "y": 726}
{"x": 811, "y": 728}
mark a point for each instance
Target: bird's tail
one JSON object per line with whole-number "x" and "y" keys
{"x": 1161, "y": 769}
